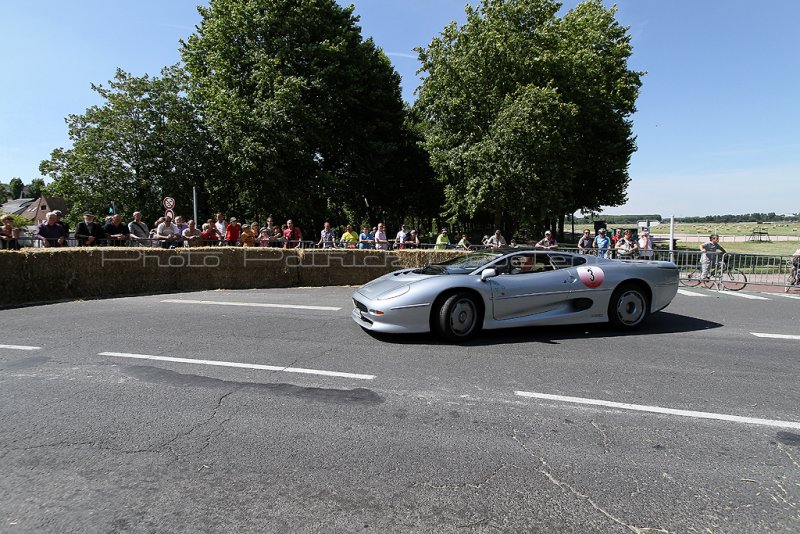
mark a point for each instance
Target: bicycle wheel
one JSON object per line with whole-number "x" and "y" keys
{"x": 791, "y": 280}
{"x": 733, "y": 280}
{"x": 692, "y": 279}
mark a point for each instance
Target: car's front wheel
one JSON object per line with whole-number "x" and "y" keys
{"x": 628, "y": 307}
{"x": 458, "y": 317}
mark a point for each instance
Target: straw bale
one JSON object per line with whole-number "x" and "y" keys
{"x": 48, "y": 275}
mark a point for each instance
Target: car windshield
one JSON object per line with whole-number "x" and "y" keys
{"x": 461, "y": 264}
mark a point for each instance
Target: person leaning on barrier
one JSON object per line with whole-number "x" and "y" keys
{"x": 365, "y": 239}
{"x": 497, "y": 240}
{"x": 60, "y": 221}
{"x": 192, "y": 237}
{"x": 585, "y": 242}
{"x": 247, "y": 237}
{"x": 602, "y": 243}
{"x": 167, "y": 233}
{"x": 209, "y": 235}
{"x": 463, "y": 243}
{"x": 116, "y": 231}
{"x": 442, "y": 240}
{"x": 138, "y": 232}
{"x": 645, "y": 243}
{"x": 626, "y": 247}
{"x": 381, "y": 239}
{"x": 292, "y": 236}
{"x": 412, "y": 240}
{"x": 548, "y": 241}
{"x": 9, "y": 236}
{"x": 710, "y": 251}
{"x": 326, "y": 236}
{"x": 51, "y": 233}
{"x": 233, "y": 231}
{"x": 350, "y": 237}
{"x": 88, "y": 232}
{"x": 400, "y": 238}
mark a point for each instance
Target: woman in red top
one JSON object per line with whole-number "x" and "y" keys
{"x": 232, "y": 232}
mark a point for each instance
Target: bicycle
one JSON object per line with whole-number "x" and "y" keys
{"x": 719, "y": 274}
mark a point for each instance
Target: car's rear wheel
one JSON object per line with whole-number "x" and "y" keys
{"x": 458, "y": 317}
{"x": 628, "y": 307}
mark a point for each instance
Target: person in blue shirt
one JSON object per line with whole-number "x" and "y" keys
{"x": 366, "y": 239}
{"x": 602, "y": 243}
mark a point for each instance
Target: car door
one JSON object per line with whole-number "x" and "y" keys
{"x": 529, "y": 284}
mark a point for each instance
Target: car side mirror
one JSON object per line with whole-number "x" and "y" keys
{"x": 488, "y": 273}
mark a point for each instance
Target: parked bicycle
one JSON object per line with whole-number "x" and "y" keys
{"x": 720, "y": 274}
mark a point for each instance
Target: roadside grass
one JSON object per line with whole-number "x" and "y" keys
{"x": 774, "y": 248}
{"x": 745, "y": 229}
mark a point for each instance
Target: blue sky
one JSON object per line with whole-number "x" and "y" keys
{"x": 718, "y": 120}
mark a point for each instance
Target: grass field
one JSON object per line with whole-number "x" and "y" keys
{"x": 745, "y": 229}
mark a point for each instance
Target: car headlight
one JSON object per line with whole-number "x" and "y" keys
{"x": 394, "y": 293}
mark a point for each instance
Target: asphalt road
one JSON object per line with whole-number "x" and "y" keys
{"x": 324, "y": 428}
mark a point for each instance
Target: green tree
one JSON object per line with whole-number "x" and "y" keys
{"x": 146, "y": 141}
{"x": 15, "y": 187}
{"x": 528, "y": 114}
{"x": 36, "y": 187}
{"x": 308, "y": 114}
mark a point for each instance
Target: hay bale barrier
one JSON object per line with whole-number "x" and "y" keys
{"x": 35, "y": 276}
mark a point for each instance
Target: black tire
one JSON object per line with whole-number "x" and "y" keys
{"x": 628, "y": 307}
{"x": 458, "y": 318}
{"x": 733, "y": 280}
{"x": 692, "y": 279}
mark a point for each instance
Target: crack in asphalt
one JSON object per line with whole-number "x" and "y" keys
{"x": 217, "y": 431}
{"x": 545, "y": 470}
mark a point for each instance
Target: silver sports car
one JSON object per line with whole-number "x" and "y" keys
{"x": 513, "y": 287}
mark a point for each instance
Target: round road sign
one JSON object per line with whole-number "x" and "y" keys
{"x": 169, "y": 202}
{"x": 170, "y": 214}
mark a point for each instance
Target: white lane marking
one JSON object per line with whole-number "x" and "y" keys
{"x": 19, "y": 347}
{"x": 796, "y": 297}
{"x": 252, "y": 304}
{"x": 692, "y": 293}
{"x": 238, "y": 365}
{"x": 667, "y": 411}
{"x": 743, "y": 295}
{"x": 776, "y": 336}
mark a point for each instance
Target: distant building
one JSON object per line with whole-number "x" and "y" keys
{"x": 16, "y": 206}
{"x": 37, "y": 209}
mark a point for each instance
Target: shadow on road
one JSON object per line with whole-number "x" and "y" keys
{"x": 660, "y": 323}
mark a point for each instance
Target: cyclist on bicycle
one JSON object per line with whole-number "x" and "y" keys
{"x": 795, "y": 266}
{"x": 710, "y": 251}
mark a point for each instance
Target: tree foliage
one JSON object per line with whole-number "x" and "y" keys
{"x": 146, "y": 141}
{"x": 15, "y": 187}
{"x": 527, "y": 113}
{"x": 307, "y": 113}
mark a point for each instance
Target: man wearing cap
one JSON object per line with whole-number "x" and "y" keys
{"x": 601, "y": 243}
{"x": 442, "y": 240}
{"x": 61, "y": 222}
{"x": 645, "y": 243}
{"x": 89, "y": 232}
{"x": 51, "y": 233}
{"x": 548, "y": 242}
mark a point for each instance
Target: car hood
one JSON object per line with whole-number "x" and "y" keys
{"x": 389, "y": 282}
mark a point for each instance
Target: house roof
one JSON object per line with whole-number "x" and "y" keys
{"x": 16, "y": 206}
{"x": 37, "y": 210}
